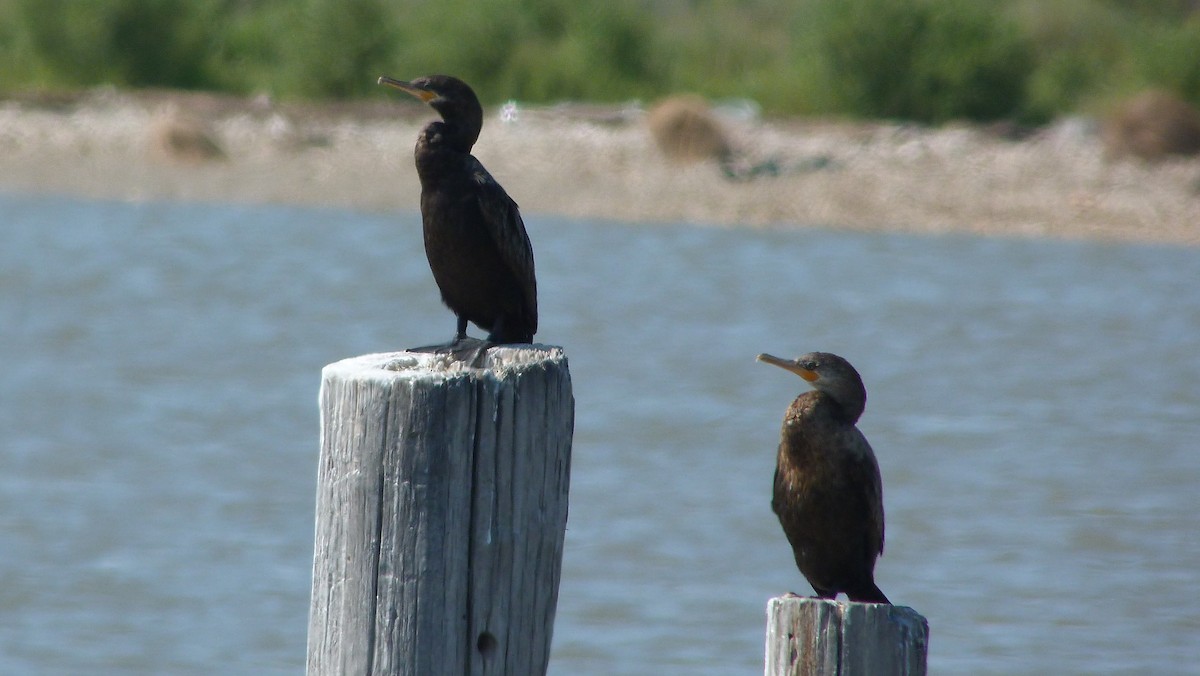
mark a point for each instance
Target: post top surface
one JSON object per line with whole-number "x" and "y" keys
{"x": 498, "y": 361}
{"x": 793, "y": 604}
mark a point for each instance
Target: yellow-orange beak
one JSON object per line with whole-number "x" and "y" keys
{"x": 408, "y": 87}
{"x": 791, "y": 365}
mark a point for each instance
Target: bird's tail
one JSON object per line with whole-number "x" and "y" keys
{"x": 868, "y": 593}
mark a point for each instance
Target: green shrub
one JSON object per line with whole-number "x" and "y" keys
{"x": 601, "y": 52}
{"x": 543, "y": 50}
{"x": 126, "y": 42}
{"x": 1166, "y": 10}
{"x": 926, "y": 60}
{"x": 1168, "y": 56}
{"x": 472, "y": 39}
{"x": 738, "y": 49}
{"x": 1080, "y": 51}
{"x": 1091, "y": 54}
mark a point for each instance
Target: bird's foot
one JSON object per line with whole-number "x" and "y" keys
{"x": 794, "y": 595}
{"x": 463, "y": 349}
{"x": 471, "y": 351}
{"x": 449, "y": 346}
{"x": 439, "y": 348}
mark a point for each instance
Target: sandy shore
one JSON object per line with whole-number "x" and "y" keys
{"x": 602, "y": 163}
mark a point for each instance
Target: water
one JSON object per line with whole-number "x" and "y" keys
{"x": 1033, "y": 405}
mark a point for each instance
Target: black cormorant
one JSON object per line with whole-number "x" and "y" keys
{"x": 475, "y": 240}
{"x": 828, "y": 494}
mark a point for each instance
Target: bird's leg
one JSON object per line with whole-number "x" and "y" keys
{"x": 462, "y": 348}
{"x": 453, "y": 345}
{"x": 497, "y": 330}
{"x": 466, "y": 349}
{"x": 500, "y": 335}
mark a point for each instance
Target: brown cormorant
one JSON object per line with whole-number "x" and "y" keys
{"x": 475, "y": 240}
{"x": 828, "y": 494}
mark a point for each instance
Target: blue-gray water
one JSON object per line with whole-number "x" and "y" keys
{"x": 1034, "y": 406}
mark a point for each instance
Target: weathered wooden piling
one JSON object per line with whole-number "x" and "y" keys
{"x": 818, "y": 637}
{"x": 441, "y": 512}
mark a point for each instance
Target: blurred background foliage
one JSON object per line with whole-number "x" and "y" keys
{"x": 923, "y": 60}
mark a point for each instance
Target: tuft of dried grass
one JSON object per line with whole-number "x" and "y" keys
{"x": 686, "y": 130}
{"x": 184, "y": 139}
{"x": 1153, "y": 125}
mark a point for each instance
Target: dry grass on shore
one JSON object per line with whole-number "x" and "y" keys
{"x": 601, "y": 162}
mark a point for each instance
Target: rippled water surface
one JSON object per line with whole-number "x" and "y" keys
{"x": 1034, "y": 406}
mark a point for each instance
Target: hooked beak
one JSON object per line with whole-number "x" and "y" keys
{"x": 409, "y": 88}
{"x": 791, "y": 365}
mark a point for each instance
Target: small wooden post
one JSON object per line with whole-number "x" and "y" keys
{"x": 819, "y": 637}
{"x": 441, "y": 512}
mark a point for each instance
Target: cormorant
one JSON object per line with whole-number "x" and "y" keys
{"x": 828, "y": 494}
{"x": 475, "y": 240}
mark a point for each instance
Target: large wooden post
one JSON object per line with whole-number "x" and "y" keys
{"x": 818, "y": 637}
{"x": 441, "y": 512}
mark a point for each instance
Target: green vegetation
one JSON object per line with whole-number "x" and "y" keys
{"x": 929, "y": 61}
{"x": 925, "y": 60}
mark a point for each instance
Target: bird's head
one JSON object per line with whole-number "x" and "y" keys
{"x": 452, "y": 98}
{"x": 830, "y": 374}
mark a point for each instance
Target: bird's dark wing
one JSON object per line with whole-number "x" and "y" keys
{"x": 777, "y": 489}
{"x": 503, "y": 221}
{"x": 865, "y": 473}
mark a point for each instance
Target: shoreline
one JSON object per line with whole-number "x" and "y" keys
{"x": 584, "y": 161}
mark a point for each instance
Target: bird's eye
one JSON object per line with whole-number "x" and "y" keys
{"x": 810, "y": 365}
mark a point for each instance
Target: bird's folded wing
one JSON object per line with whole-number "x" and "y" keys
{"x": 504, "y": 224}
